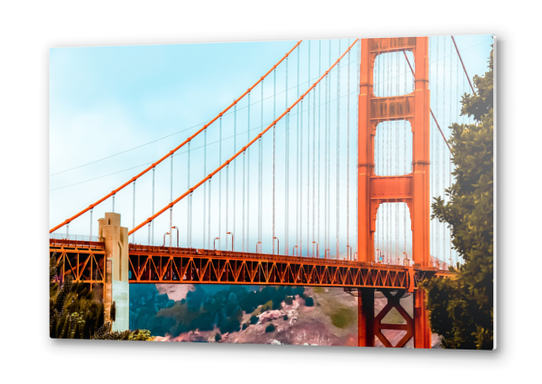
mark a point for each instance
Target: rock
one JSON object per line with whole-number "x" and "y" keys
{"x": 270, "y": 316}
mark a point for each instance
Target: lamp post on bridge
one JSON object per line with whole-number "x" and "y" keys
{"x": 174, "y": 227}
{"x": 229, "y": 233}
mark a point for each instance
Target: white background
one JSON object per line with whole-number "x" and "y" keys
{"x": 29, "y": 29}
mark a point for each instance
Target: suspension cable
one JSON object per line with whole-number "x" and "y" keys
{"x": 246, "y": 146}
{"x": 432, "y": 114}
{"x": 178, "y": 147}
{"x": 464, "y": 69}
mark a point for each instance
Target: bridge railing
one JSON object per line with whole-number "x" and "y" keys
{"x": 164, "y": 250}
{"x": 75, "y": 241}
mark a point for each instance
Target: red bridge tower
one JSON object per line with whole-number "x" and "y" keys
{"x": 412, "y": 189}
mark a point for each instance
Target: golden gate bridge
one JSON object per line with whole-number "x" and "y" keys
{"x": 334, "y": 140}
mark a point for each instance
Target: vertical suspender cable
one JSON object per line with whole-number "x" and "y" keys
{"x": 220, "y": 184}
{"x": 90, "y": 236}
{"x": 204, "y": 185}
{"x": 348, "y": 155}
{"x": 260, "y": 160}
{"x": 286, "y": 170}
{"x": 189, "y": 216}
{"x": 300, "y": 130}
{"x": 433, "y": 146}
{"x": 326, "y": 142}
{"x": 209, "y": 218}
{"x": 244, "y": 196}
{"x": 234, "y": 173}
{"x": 274, "y": 132}
{"x": 227, "y": 201}
{"x": 319, "y": 131}
{"x": 171, "y": 200}
{"x": 444, "y": 229}
{"x": 314, "y": 166}
{"x": 113, "y": 204}
{"x": 382, "y": 162}
{"x": 397, "y": 159}
{"x": 133, "y": 214}
{"x": 299, "y": 112}
{"x": 405, "y": 166}
{"x": 328, "y": 150}
{"x": 308, "y": 146}
{"x": 329, "y": 160}
{"x": 388, "y": 157}
{"x": 153, "y": 179}
{"x": 248, "y": 178}
{"x": 338, "y": 162}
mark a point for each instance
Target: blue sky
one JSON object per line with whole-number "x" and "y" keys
{"x": 107, "y": 100}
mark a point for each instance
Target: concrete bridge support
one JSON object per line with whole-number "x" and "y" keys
{"x": 116, "y": 288}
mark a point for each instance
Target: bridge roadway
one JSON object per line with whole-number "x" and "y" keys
{"x": 171, "y": 265}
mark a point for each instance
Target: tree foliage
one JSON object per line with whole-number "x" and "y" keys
{"x": 462, "y": 309}
{"x": 75, "y": 314}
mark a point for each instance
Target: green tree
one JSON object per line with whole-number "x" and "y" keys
{"x": 462, "y": 308}
{"x": 74, "y": 314}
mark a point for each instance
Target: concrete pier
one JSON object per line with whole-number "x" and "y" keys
{"x": 116, "y": 288}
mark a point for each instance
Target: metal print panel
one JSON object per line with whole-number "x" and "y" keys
{"x": 318, "y": 192}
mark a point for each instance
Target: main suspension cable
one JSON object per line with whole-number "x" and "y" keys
{"x": 245, "y": 147}
{"x": 176, "y": 148}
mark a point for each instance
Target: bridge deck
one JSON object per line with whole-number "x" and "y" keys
{"x": 171, "y": 265}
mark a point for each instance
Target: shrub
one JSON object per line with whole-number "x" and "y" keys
{"x": 270, "y": 328}
{"x": 254, "y": 319}
{"x": 309, "y": 302}
{"x": 285, "y": 317}
{"x": 218, "y": 337}
{"x": 289, "y": 300}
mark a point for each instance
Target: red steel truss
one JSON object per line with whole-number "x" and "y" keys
{"x": 151, "y": 264}
{"x": 170, "y": 265}
{"x": 84, "y": 260}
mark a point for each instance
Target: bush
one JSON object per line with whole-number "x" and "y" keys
{"x": 309, "y": 302}
{"x": 254, "y": 319}
{"x": 285, "y": 317}
{"x": 289, "y": 300}
{"x": 270, "y": 328}
{"x": 245, "y": 326}
{"x": 218, "y": 337}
